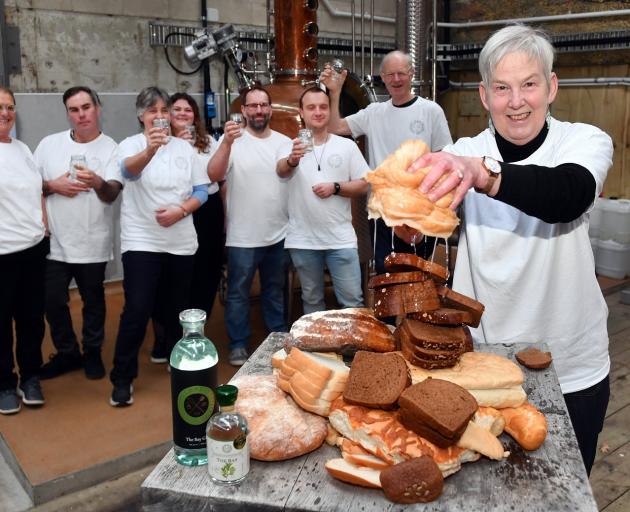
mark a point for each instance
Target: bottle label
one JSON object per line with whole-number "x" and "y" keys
{"x": 228, "y": 460}
{"x": 193, "y": 402}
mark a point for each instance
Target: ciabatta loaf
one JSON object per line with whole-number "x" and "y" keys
{"x": 343, "y": 331}
{"x": 278, "y": 428}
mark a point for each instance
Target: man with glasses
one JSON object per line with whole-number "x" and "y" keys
{"x": 387, "y": 125}
{"x": 256, "y": 219}
{"x": 80, "y": 218}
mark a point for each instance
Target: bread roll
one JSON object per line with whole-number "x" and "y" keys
{"x": 526, "y": 424}
{"x": 396, "y": 199}
{"x": 417, "y": 480}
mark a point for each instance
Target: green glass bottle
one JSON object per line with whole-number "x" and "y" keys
{"x": 193, "y": 379}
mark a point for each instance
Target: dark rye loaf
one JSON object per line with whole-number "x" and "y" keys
{"x": 404, "y": 262}
{"x": 376, "y": 380}
{"x": 408, "y": 352}
{"x": 400, "y": 299}
{"x": 434, "y": 337}
{"x": 416, "y": 480}
{"x": 442, "y": 406}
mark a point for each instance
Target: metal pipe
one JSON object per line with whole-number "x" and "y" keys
{"x": 362, "y": 39}
{"x": 345, "y": 14}
{"x": 566, "y": 82}
{"x": 536, "y": 19}
{"x": 354, "y": 38}
{"x": 372, "y": 39}
{"x": 268, "y": 56}
{"x": 434, "y": 52}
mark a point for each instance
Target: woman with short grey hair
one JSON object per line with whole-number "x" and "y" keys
{"x": 163, "y": 184}
{"x": 528, "y": 183}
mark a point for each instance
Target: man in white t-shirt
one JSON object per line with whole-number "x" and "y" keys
{"x": 80, "y": 218}
{"x": 387, "y": 125}
{"x": 321, "y": 183}
{"x": 256, "y": 219}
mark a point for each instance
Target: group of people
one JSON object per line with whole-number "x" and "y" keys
{"x": 523, "y": 187}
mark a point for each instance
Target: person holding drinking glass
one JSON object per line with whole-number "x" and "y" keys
{"x": 23, "y": 250}
{"x": 164, "y": 183}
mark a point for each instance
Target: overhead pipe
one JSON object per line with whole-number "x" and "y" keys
{"x": 344, "y": 14}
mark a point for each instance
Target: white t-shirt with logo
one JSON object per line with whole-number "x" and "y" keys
{"x": 537, "y": 280}
{"x": 167, "y": 180}
{"x": 256, "y": 196}
{"x": 387, "y": 127}
{"x": 316, "y": 223}
{"x": 81, "y": 227}
{"x": 21, "y": 223}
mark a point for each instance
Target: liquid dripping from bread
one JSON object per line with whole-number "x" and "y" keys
{"x": 448, "y": 264}
{"x": 434, "y": 247}
{"x": 392, "y": 239}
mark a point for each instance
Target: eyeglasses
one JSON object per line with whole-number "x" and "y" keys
{"x": 254, "y": 106}
{"x": 396, "y": 74}
{"x": 8, "y": 108}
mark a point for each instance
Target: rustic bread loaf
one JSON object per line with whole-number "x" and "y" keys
{"x": 278, "y": 428}
{"x": 376, "y": 380}
{"x": 416, "y": 480}
{"x": 343, "y": 331}
{"x": 442, "y": 406}
{"x": 405, "y": 262}
{"x": 533, "y": 358}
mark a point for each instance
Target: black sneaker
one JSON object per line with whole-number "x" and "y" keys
{"x": 93, "y": 365}
{"x": 58, "y": 364}
{"x": 122, "y": 395}
{"x": 9, "y": 401}
{"x": 31, "y": 392}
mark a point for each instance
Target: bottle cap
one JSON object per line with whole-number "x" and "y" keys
{"x": 226, "y": 395}
{"x": 192, "y": 316}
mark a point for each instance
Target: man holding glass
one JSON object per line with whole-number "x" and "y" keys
{"x": 256, "y": 219}
{"x": 387, "y": 125}
{"x": 81, "y": 180}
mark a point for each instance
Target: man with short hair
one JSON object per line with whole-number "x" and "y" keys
{"x": 387, "y": 125}
{"x": 321, "y": 184}
{"x": 80, "y": 218}
{"x": 256, "y": 220}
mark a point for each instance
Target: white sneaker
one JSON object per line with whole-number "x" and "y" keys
{"x": 238, "y": 356}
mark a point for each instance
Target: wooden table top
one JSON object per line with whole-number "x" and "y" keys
{"x": 550, "y": 478}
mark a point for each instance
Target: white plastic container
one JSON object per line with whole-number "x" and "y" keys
{"x": 615, "y": 220}
{"x": 595, "y": 219}
{"x": 613, "y": 259}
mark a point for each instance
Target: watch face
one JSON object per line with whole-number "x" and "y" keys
{"x": 492, "y": 165}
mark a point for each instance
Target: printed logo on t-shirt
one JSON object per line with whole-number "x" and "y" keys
{"x": 94, "y": 163}
{"x": 181, "y": 163}
{"x": 334, "y": 161}
{"x": 416, "y": 127}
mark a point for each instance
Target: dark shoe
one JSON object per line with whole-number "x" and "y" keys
{"x": 9, "y": 401}
{"x": 238, "y": 356}
{"x": 93, "y": 365}
{"x": 159, "y": 354}
{"x": 31, "y": 392}
{"x": 58, "y": 364}
{"x": 122, "y": 395}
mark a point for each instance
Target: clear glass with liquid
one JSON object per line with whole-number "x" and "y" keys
{"x": 193, "y": 380}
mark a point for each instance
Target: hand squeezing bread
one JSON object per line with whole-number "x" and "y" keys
{"x": 396, "y": 199}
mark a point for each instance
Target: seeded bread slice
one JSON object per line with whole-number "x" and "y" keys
{"x": 434, "y": 337}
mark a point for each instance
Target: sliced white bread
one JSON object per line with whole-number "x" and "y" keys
{"x": 321, "y": 407}
{"x": 279, "y": 356}
{"x": 357, "y": 455}
{"x": 481, "y": 440}
{"x": 322, "y": 366}
{"x": 332, "y": 390}
{"x": 347, "y": 472}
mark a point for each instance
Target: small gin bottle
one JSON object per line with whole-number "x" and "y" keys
{"x": 193, "y": 379}
{"x": 228, "y": 451}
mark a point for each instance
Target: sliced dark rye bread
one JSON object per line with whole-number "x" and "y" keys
{"x": 438, "y": 404}
{"x": 409, "y": 353}
{"x": 452, "y": 299}
{"x": 425, "y": 431}
{"x": 403, "y": 262}
{"x": 376, "y": 380}
{"x": 400, "y": 299}
{"x": 390, "y": 278}
{"x": 444, "y": 316}
{"x": 434, "y": 337}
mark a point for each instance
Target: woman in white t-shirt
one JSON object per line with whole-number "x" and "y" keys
{"x": 528, "y": 183}
{"x": 23, "y": 250}
{"x": 164, "y": 182}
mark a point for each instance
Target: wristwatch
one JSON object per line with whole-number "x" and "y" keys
{"x": 186, "y": 212}
{"x": 493, "y": 168}
{"x": 337, "y": 189}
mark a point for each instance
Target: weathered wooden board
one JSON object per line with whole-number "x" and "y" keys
{"x": 551, "y": 478}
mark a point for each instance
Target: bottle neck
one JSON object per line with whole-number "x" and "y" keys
{"x": 192, "y": 329}
{"x": 227, "y": 408}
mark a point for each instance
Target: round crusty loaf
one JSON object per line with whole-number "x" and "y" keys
{"x": 278, "y": 428}
{"x": 396, "y": 199}
{"x": 416, "y": 480}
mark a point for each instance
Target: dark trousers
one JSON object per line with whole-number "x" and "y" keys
{"x": 209, "y": 224}
{"x": 22, "y": 299}
{"x": 587, "y": 410}
{"x": 145, "y": 274}
{"x": 385, "y": 244}
{"x": 89, "y": 278}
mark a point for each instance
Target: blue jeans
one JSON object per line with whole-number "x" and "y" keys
{"x": 344, "y": 268}
{"x": 271, "y": 262}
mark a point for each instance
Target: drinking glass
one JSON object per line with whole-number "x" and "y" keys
{"x": 337, "y": 66}
{"x": 306, "y": 137}
{"x": 74, "y": 161}
{"x": 190, "y": 128}
{"x": 238, "y": 119}
{"x": 163, "y": 123}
